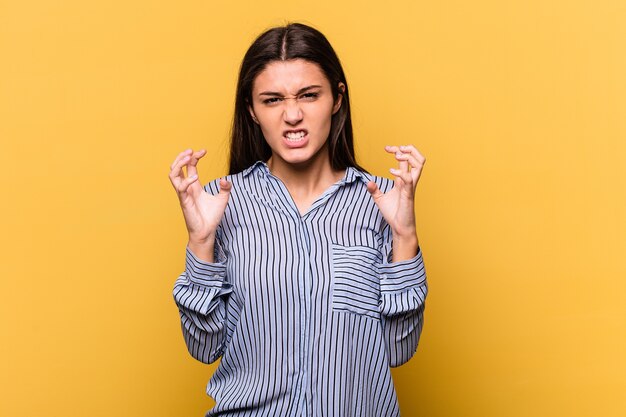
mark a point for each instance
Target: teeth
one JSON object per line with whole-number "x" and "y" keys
{"x": 295, "y": 135}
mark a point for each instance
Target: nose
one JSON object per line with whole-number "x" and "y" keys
{"x": 292, "y": 113}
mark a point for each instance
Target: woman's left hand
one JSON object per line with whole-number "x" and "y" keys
{"x": 397, "y": 204}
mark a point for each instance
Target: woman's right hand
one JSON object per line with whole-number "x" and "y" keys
{"x": 202, "y": 211}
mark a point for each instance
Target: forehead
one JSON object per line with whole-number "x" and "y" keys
{"x": 289, "y": 76}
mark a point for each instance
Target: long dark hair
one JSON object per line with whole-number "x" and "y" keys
{"x": 283, "y": 43}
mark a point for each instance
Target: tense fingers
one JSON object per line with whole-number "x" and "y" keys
{"x": 404, "y": 176}
{"x": 184, "y": 185}
{"x": 403, "y": 166}
{"x": 177, "y": 176}
{"x": 416, "y": 159}
{"x": 195, "y": 157}
{"x": 179, "y": 157}
{"x": 176, "y": 173}
{"x": 410, "y": 160}
{"x": 410, "y": 149}
{"x": 392, "y": 149}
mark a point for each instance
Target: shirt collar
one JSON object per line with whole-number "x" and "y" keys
{"x": 352, "y": 174}
{"x": 259, "y": 166}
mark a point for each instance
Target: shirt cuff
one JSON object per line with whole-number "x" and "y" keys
{"x": 208, "y": 274}
{"x": 401, "y": 276}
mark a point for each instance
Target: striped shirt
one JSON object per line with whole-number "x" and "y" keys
{"x": 306, "y": 311}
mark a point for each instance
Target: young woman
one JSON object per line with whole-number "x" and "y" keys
{"x": 303, "y": 271}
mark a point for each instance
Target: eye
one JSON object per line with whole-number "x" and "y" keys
{"x": 309, "y": 96}
{"x": 271, "y": 100}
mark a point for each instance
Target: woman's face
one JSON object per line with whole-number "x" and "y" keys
{"x": 293, "y": 103}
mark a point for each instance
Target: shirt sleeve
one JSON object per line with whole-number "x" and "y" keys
{"x": 403, "y": 290}
{"x": 201, "y": 293}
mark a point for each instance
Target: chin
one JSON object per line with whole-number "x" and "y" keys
{"x": 299, "y": 161}
{"x": 301, "y": 157}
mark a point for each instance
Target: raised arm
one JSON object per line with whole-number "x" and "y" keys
{"x": 402, "y": 275}
{"x": 201, "y": 291}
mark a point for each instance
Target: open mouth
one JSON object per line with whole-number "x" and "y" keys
{"x": 295, "y": 136}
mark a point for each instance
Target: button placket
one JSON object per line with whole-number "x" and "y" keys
{"x": 305, "y": 298}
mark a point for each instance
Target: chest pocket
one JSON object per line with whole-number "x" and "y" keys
{"x": 356, "y": 286}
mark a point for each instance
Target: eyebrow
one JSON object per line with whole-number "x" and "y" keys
{"x": 300, "y": 91}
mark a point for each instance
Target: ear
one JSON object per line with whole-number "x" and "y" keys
{"x": 251, "y": 110}
{"x": 342, "y": 90}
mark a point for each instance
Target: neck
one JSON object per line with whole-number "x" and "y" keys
{"x": 309, "y": 178}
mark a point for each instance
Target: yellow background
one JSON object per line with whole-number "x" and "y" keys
{"x": 519, "y": 107}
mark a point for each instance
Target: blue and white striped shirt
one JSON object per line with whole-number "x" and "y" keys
{"x": 306, "y": 311}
